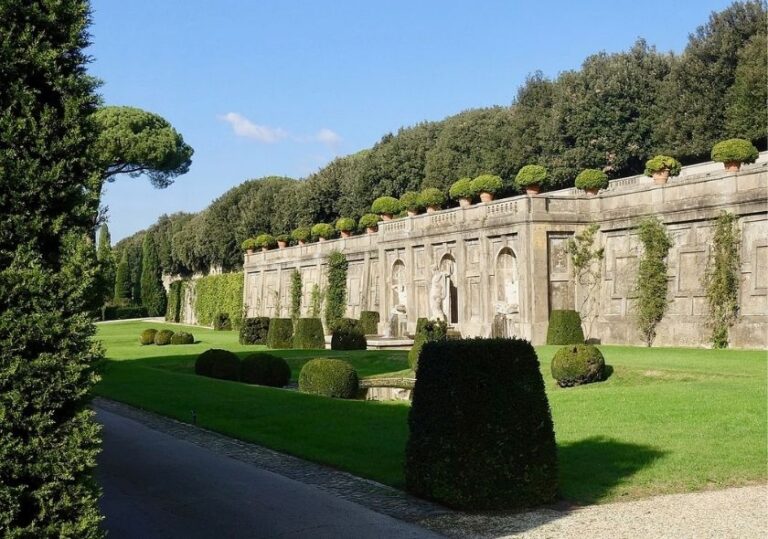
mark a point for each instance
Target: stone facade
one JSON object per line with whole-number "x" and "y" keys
{"x": 500, "y": 268}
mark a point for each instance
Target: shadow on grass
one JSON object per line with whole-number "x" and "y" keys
{"x": 592, "y": 468}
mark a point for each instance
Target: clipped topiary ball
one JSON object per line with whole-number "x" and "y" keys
{"x": 254, "y": 330}
{"x": 322, "y": 230}
{"x": 302, "y": 233}
{"x": 226, "y": 367}
{"x": 411, "y": 202}
{"x": 578, "y": 364}
{"x": 487, "y": 183}
{"x": 369, "y": 220}
{"x": 565, "y": 328}
{"x": 348, "y": 335}
{"x": 182, "y": 337}
{"x": 249, "y": 244}
{"x": 734, "y": 150}
{"x": 329, "y": 378}
{"x": 222, "y": 322}
{"x": 265, "y": 370}
{"x": 386, "y": 206}
{"x": 280, "y": 334}
{"x": 204, "y": 362}
{"x": 462, "y": 188}
{"x": 308, "y": 333}
{"x": 531, "y": 175}
{"x": 432, "y": 197}
{"x": 661, "y": 163}
{"x": 147, "y": 336}
{"x": 163, "y": 337}
{"x": 591, "y": 178}
{"x": 346, "y": 224}
{"x": 265, "y": 241}
{"x": 369, "y": 321}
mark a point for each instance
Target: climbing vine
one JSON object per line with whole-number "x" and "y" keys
{"x": 216, "y": 294}
{"x": 587, "y": 270}
{"x": 296, "y": 288}
{"x": 722, "y": 278}
{"x": 651, "y": 285}
{"x": 336, "y": 296}
{"x": 315, "y": 301}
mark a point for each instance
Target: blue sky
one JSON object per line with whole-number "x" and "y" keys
{"x": 281, "y": 87}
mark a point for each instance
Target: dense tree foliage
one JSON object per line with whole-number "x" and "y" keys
{"x": 153, "y": 296}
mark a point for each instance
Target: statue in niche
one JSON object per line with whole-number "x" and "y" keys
{"x": 401, "y": 296}
{"x": 437, "y": 293}
{"x": 507, "y": 300}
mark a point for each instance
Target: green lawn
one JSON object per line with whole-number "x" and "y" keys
{"x": 667, "y": 420}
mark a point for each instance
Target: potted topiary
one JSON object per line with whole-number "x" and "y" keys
{"x": 462, "y": 190}
{"x": 322, "y": 231}
{"x": 661, "y": 168}
{"x": 249, "y": 245}
{"x": 411, "y": 202}
{"x": 282, "y": 241}
{"x": 432, "y": 198}
{"x": 487, "y": 185}
{"x": 369, "y": 222}
{"x": 301, "y": 235}
{"x": 733, "y": 152}
{"x": 265, "y": 241}
{"x": 386, "y": 207}
{"x": 531, "y": 178}
{"x": 345, "y": 225}
{"x": 591, "y": 180}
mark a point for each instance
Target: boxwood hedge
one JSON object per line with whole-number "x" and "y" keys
{"x": 280, "y": 334}
{"x": 348, "y": 335}
{"x": 369, "y": 320}
{"x": 329, "y": 378}
{"x": 565, "y": 328}
{"x": 148, "y": 336}
{"x": 308, "y": 333}
{"x": 254, "y": 330}
{"x": 578, "y": 364}
{"x": 265, "y": 369}
{"x": 163, "y": 337}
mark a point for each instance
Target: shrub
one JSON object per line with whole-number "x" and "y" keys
{"x": 591, "y": 178}
{"x": 302, "y": 233}
{"x": 662, "y": 162}
{"x": 329, "y": 378}
{"x": 163, "y": 337}
{"x": 265, "y": 370}
{"x": 735, "y": 149}
{"x": 411, "y": 201}
{"x": 462, "y": 189}
{"x": 531, "y": 175}
{"x": 226, "y": 367}
{"x": 280, "y": 333}
{"x": 214, "y": 294}
{"x": 173, "y": 309}
{"x": 565, "y": 328}
{"x": 265, "y": 241}
{"x": 426, "y": 331}
{"x": 222, "y": 322}
{"x": 386, "y": 205}
{"x": 369, "y": 321}
{"x": 651, "y": 284}
{"x": 285, "y": 238}
{"x": 487, "y": 183}
{"x": 369, "y": 220}
{"x": 249, "y": 244}
{"x": 336, "y": 294}
{"x": 254, "y": 330}
{"x": 481, "y": 433}
{"x": 205, "y": 361}
{"x": 122, "y": 312}
{"x": 432, "y": 197}
{"x": 308, "y": 333}
{"x": 322, "y": 230}
{"x": 346, "y": 224}
{"x": 182, "y": 337}
{"x": 147, "y": 336}
{"x": 578, "y": 364}
{"x": 348, "y": 335}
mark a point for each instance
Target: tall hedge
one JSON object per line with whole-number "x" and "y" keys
{"x": 565, "y": 328}
{"x": 216, "y": 294}
{"x": 152, "y": 290}
{"x": 481, "y": 432}
{"x": 280, "y": 334}
{"x": 369, "y": 320}
{"x": 308, "y": 333}
{"x": 336, "y": 296}
{"x": 173, "y": 310}
{"x": 254, "y": 330}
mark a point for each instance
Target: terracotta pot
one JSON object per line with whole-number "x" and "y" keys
{"x": 660, "y": 177}
{"x": 345, "y": 233}
{"x": 371, "y": 230}
{"x": 432, "y": 209}
{"x": 386, "y": 216}
{"x": 532, "y": 190}
{"x": 321, "y": 239}
{"x": 412, "y": 213}
{"x": 302, "y": 242}
{"x": 282, "y": 244}
{"x": 732, "y": 166}
{"x": 465, "y": 202}
{"x": 486, "y": 197}
{"x": 249, "y": 251}
{"x": 592, "y": 191}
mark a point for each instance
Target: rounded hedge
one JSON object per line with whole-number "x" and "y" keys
{"x": 226, "y": 367}
{"x": 662, "y": 162}
{"x": 487, "y": 183}
{"x": 322, "y": 230}
{"x": 265, "y": 370}
{"x": 386, "y": 205}
{"x": 410, "y": 201}
{"x": 346, "y": 224}
{"x": 348, "y": 335}
{"x": 222, "y": 322}
{"x": 734, "y": 149}
{"x": 329, "y": 378}
{"x": 369, "y": 322}
{"x": 204, "y": 362}
{"x": 265, "y": 240}
{"x": 591, "y": 178}
{"x": 147, "y": 336}
{"x": 163, "y": 337}
{"x": 369, "y": 220}
{"x": 302, "y": 233}
{"x": 182, "y": 337}
{"x": 462, "y": 188}
{"x": 565, "y": 328}
{"x": 285, "y": 238}
{"x": 578, "y": 364}
{"x": 280, "y": 334}
{"x": 531, "y": 175}
{"x": 426, "y": 331}
{"x": 254, "y": 330}
{"x": 432, "y": 197}
{"x": 308, "y": 333}
{"x": 249, "y": 244}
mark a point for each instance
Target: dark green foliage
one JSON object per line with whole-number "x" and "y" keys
{"x": 308, "y": 333}
{"x": 481, "y": 433}
{"x": 296, "y": 288}
{"x": 591, "y": 178}
{"x": 222, "y": 322}
{"x": 329, "y": 378}
{"x": 578, "y": 364}
{"x": 336, "y": 295}
{"x": 651, "y": 285}
{"x": 147, "y": 336}
{"x": 749, "y": 92}
{"x": 348, "y": 335}
{"x": 565, "y": 328}
{"x": 218, "y": 363}
{"x": 426, "y": 331}
{"x": 462, "y": 188}
{"x": 152, "y": 291}
{"x": 163, "y": 337}
{"x": 369, "y": 320}
{"x": 107, "y": 267}
{"x": 280, "y": 334}
{"x": 722, "y": 278}
{"x": 660, "y": 163}
{"x": 182, "y": 337}
{"x": 265, "y": 370}
{"x": 215, "y": 294}
{"x": 531, "y": 175}
{"x": 173, "y": 311}
{"x": 120, "y": 312}
{"x": 254, "y": 330}
{"x": 735, "y": 149}
{"x": 487, "y": 183}
{"x": 123, "y": 281}
{"x": 386, "y": 205}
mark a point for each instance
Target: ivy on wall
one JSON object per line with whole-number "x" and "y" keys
{"x": 296, "y": 287}
{"x": 173, "y": 312}
{"x": 651, "y": 284}
{"x": 336, "y": 297}
{"x": 722, "y": 278}
{"x": 216, "y": 294}
{"x": 586, "y": 261}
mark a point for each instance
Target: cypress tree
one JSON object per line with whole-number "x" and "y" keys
{"x": 48, "y": 269}
{"x": 106, "y": 264}
{"x": 152, "y": 292}
{"x": 123, "y": 283}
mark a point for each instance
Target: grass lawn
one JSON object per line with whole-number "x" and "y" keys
{"x": 667, "y": 419}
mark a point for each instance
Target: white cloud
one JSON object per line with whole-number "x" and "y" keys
{"x": 328, "y": 137}
{"x": 243, "y": 127}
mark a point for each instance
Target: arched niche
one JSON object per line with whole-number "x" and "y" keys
{"x": 507, "y": 296}
{"x": 451, "y": 302}
{"x": 398, "y": 281}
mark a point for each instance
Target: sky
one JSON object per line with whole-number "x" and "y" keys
{"x": 274, "y": 87}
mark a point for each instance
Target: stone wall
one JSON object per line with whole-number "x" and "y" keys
{"x": 500, "y": 268}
